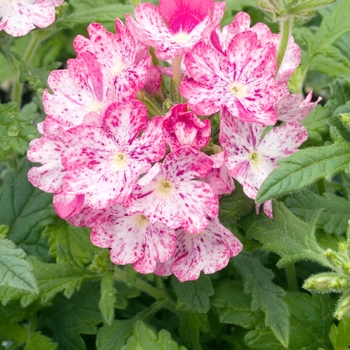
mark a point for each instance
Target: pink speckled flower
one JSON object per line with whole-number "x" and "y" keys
{"x": 103, "y": 163}
{"x": 132, "y": 238}
{"x": 188, "y": 21}
{"x": 78, "y": 90}
{"x": 117, "y": 53}
{"x": 170, "y": 194}
{"x": 248, "y": 158}
{"x": 18, "y": 17}
{"x": 209, "y": 251}
{"x": 243, "y": 80}
{"x": 184, "y": 128}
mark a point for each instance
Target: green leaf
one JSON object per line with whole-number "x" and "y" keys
{"x": 75, "y": 239}
{"x": 88, "y": 11}
{"x": 107, "y": 302}
{"x": 114, "y": 337}
{"x": 37, "y": 341}
{"x": 234, "y": 206}
{"x": 16, "y": 129}
{"x": 189, "y": 329}
{"x": 266, "y": 296}
{"x": 291, "y": 238}
{"x": 25, "y": 210}
{"x": 193, "y": 296}
{"x": 234, "y": 305}
{"x": 67, "y": 319}
{"x": 10, "y": 330}
{"x": 310, "y": 319}
{"x": 335, "y": 214}
{"x": 144, "y": 338}
{"x": 340, "y": 336}
{"x": 15, "y": 271}
{"x": 303, "y": 168}
{"x": 4, "y": 229}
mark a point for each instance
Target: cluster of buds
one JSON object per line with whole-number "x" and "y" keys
{"x": 148, "y": 184}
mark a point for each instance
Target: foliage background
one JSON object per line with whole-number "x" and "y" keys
{"x": 58, "y": 291}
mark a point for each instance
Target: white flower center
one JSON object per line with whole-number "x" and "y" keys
{"x": 117, "y": 68}
{"x": 141, "y": 220}
{"x": 165, "y": 188}
{"x": 96, "y": 107}
{"x": 180, "y": 37}
{"x": 119, "y": 160}
{"x": 238, "y": 90}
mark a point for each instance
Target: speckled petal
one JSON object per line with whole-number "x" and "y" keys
{"x": 68, "y": 205}
{"x": 208, "y": 251}
{"x": 18, "y": 17}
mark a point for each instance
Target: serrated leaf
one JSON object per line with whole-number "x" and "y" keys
{"x": 15, "y": 270}
{"x": 16, "y": 129}
{"x": 234, "y": 306}
{"x": 335, "y": 214}
{"x": 75, "y": 239}
{"x": 234, "y": 206}
{"x": 37, "y": 341}
{"x": 310, "y": 319}
{"x": 189, "y": 330}
{"x": 304, "y": 167}
{"x": 144, "y": 338}
{"x": 130, "y": 275}
{"x": 340, "y": 335}
{"x": 88, "y": 11}
{"x": 193, "y": 296}
{"x": 288, "y": 236}
{"x": 107, "y": 301}
{"x": 25, "y": 210}
{"x": 114, "y": 337}
{"x": 67, "y": 319}
{"x": 266, "y": 296}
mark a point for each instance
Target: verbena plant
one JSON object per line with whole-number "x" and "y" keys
{"x": 175, "y": 175}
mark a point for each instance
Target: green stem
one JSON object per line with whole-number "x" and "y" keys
{"x": 291, "y": 278}
{"x": 321, "y": 187}
{"x": 152, "y": 106}
{"x": 285, "y": 31}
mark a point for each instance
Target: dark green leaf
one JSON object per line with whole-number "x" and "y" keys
{"x": 15, "y": 270}
{"x": 291, "y": 238}
{"x": 37, "y": 341}
{"x": 107, "y": 302}
{"x": 193, "y": 295}
{"x": 25, "y": 210}
{"x": 10, "y": 330}
{"x": 189, "y": 329}
{"x": 266, "y": 296}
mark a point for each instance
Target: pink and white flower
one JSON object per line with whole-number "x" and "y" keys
{"x": 104, "y": 163}
{"x": 209, "y": 251}
{"x": 132, "y": 238}
{"x": 118, "y": 54}
{"x": 242, "y": 81}
{"x": 248, "y": 158}
{"x": 18, "y": 17}
{"x": 188, "y": 21}
{"x": 184, "y": 128}
{"x": 170, "y": 194}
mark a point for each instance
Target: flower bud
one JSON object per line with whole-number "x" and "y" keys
{"x": 343, "y": 306}
{"x": 327, "y": 282}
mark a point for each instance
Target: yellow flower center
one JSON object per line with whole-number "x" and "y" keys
{"x": 119, "y": 160}
{"x": 165, "y": 187}
{"x": 180, "y": 37}
{"x": 117, "y": 68}
{"x": 238, "y": 90}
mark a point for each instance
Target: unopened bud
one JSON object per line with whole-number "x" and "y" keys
{"x": 327, "y": 282}
{"x": 335, "y": 258}
{"x": 343, "y": 306}
{"x": 342, "y": 247}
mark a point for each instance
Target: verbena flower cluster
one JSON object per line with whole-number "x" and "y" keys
{"x": 148, "y": 187}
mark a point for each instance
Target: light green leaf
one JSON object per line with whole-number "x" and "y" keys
{"x": 340, "y": 336}
{"x": 310, "y": 319}
{"x": 107, "y": 301}
{"x": 25, "y": 210}
{"x": 114, "y": 337}
{"x": 89, "y": 11}
{"x": 4, "y": 229}
{"x": 144, "y": 338}
{"x": 75, "y": 239}
{"x": 67, "y": 319}
{"x": 306, "y": 166}
{"x": 233, "y": 305}
{"x": 11, "y": 331}
{"x": 335, "y": 214}
{"x": 193, "y": 295}
{"x": 37, "y": 341}
{"x": 291, "y": 238}
{"x": 15, "y": 271}
{"x": 266, "y": 296}
{"x": 16, "y": 129}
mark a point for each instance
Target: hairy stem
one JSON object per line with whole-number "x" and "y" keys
{"x": 291, "y": 278}
{"x": 285, "y": 31}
